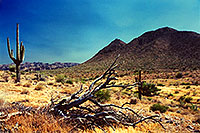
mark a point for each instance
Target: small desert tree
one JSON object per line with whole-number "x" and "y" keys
{"x": 20, "y": 52}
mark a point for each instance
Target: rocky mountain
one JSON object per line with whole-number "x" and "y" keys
{"x": 164, "y": 48}
{"x": 35, "y": 66}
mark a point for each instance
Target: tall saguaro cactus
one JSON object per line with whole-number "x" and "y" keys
{"x": 20, "y": 52}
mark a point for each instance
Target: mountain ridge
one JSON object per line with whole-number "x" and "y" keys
{"x": 163, "y": 48}
{"x": 36, "y": 66}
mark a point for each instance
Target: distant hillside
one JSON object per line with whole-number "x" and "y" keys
{"x": 36, "y": 66}
{"x": 164, "y": 48}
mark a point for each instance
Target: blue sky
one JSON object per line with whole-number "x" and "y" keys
{"x": 75, "y": 30}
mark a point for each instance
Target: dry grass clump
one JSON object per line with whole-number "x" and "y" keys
{"x": 27, "y": 85}
{"x": 32, "y": 122}
{"x": 40, "y": 86}
{"x": 50, "y": 83}
{"x": 2, "y": 102}
{"x": 24, "y": 91}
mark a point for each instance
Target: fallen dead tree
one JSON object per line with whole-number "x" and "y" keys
{"x": 85, "y": 112}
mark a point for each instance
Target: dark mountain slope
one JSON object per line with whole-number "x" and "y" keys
{"x": 164, "y": 48}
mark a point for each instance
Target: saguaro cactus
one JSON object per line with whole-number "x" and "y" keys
{"x": 20, "y": 52}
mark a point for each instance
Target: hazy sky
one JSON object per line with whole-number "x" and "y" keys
{"x": 75, "y": 30}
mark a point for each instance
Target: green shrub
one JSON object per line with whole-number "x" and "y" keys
{"x": 193, "y": 107}
{"x": 185, "y": 83}
{"x": 188, "y": 99}
{"x": 12, "y": 68}
{"x": 160, "y": 84}
{"x": 60, "y": 78}
{"x": 69, "y": 81}
{"x": 12, "y": 75}
{"x": 40, "y": 87}
{"x": 149, "y": 98}
{"x": 176, "y": 92}
{"x": 149, "y": 89}
{"x": 82, "y": 81}
{"x": 159, "y": 107}
{"x": 182, "y": 98}
{"x": 170, "y": 95}
{"x": 102, "y": 95}
{"x": 179, "y": 75}
{"x": 187, "y": 87}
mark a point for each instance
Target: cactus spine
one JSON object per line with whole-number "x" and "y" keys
{"x": 20, "y": 52}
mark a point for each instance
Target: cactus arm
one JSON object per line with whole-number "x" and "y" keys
{"x": 17, "y": 43}
{"x": 10, "y": 52}
{"x": 22, "y": 52}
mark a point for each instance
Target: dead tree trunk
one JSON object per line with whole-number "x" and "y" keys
{"x": 75, "y": 108}
{"x": 139, "y": 85}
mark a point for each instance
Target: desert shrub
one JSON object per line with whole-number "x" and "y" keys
{"x": 188, "y": 99}
{"x": 12, "y": 75}
{"x": 23, "y": 72}
{"x": 50, "y": 83}
{"x": 25, "y": 92}
{"x": 187, "y": 87}
{"x": 179, "y": 75}
{"x": 69, "y": 81}
{"x": 12, "y": 68}
{"x": 159, "y": 107}
{"x": 149, "y": 89}
{"x": 193, "y": 107}
{"x": 83, "y": 81}
{"x": 181, "y": 98}
{"x": 197, "y": 83}
{"x": 27, "y": 85}
{"x": 160, "y": 84}
{"x": 185, "y": 83}
{"x": 149, "y": 98}
{"x": 5, "y": 78}
{"x": 176, "y": 92}
{"x": 102, "y": 95}
{"x": 170, "y": 95}
{"x": 60, "y": 78}
{"x": 194, "y": 93}
{"x": 2, "y": 102}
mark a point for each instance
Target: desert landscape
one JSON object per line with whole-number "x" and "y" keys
{"x": 72, "y": 99}
{"x": 89, "y": 66}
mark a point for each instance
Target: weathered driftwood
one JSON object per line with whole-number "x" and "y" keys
{"x": 75, "y": 109}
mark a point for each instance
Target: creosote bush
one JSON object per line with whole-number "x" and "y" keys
{"x": 60, "y": 78}
{"x": 69, "y": 82}
{"x": 160, "y": 84}
{"x": 179, "y": 75}
{"x": 12, "y": 68}
{"x": 187, "y": 87}
{"x": 188, "y": 99}
{"x": 193, "y": 107}
{"x": 103, "y": 95}
{"x": 161, "y": 108}
{"x": 149, "y": 89}
{"x": 185, "y": 99}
